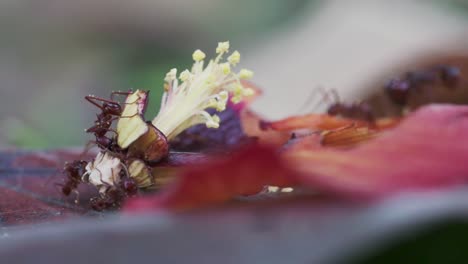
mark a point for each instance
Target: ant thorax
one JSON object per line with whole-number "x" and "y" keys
{"x": 357, "y": 110}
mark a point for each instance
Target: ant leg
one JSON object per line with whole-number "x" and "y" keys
{"x": 326, "y": 97}
{"x": 77, "y": 197}
{"x": 124, "y": 93}
{"x": 335, "y": 95}
{"x": 120, "y": 93}
{"x": 91, "y": 99}
{"x": 309, "y": 100}
{"x": 327, "y": 94}
{"x": 94, "y": 99}
{"x": 113, "y": 131}
{"x": 93, "y": 142}
{"x": 125, "y": 169}
{"x": 60, "y": 185}
{"x": 129, "y": 116}
{"x": 87, "y": 148}
{"x": 102, "y": 179}
{"x": 117, "y": 117}
{"x": 107, "y": 184}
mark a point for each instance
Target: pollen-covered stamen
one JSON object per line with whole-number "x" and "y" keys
{"x": 201, "y": 117}
{"x": 183, "y": 105}
{"x": 234, "y": 58}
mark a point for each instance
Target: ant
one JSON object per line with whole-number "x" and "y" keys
{"x": 398, "y": 89}
{"x": 110, "y": 111}
{"x": 361, "y": 111}
{"x": 74, "y": 172}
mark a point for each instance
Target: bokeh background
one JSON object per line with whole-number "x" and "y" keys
{"x": 53, "y": 52}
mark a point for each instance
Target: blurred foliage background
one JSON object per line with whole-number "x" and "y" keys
{"x": 53, "y": 53}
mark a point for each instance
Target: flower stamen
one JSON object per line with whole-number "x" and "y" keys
{"x": 183, "y": 105}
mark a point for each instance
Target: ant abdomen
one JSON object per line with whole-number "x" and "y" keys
{"x": 450, "y": 75}
{"x": 398, "y": 90}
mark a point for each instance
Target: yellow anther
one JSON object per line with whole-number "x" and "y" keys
{"x": 234, "y": 58}
{"x": 185, "y": 75}
{"x": 203, "y": 87}
{"x": 198, "y": 55}
{"x": 245, "y": 74}
{"x": 223, "y": 47}
{"x": 226, "y": 68}
{"x": 171, "y": 75}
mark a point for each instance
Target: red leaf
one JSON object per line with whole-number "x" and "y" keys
{"x": 427, "y": 150}
{"x": 244, "y": 173}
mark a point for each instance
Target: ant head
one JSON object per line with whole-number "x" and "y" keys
{"x": 112, "y": 108}
{"x": 130, "y": 186}
{"x": 66, "y": 190}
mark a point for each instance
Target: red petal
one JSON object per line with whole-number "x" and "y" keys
{"x": 244, "y": 173}
{"x": 250, "y": 122}
{"x": 427, "y": 150}
{"x": 326, "y": 122}
{"x": 313, "y": 122}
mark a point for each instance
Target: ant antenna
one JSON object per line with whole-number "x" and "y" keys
{"x": 311, "y": 100}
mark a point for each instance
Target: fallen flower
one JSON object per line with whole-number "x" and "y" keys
{"x": 126, "y": 159}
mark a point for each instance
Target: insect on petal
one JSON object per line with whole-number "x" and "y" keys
{"x": 427, "y": 150}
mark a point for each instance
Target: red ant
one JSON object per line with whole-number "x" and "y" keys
{"x": 111, "y": 110}
{"x": 74, "y": 171}
{"x": 361, "y": 111}
{"x": 398, "y": 90}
